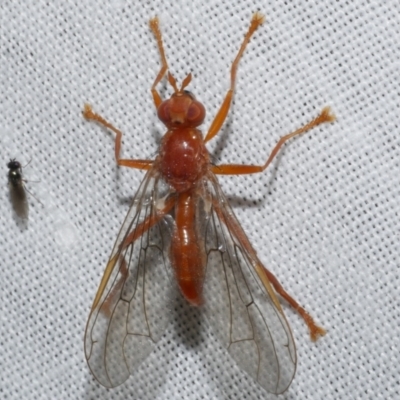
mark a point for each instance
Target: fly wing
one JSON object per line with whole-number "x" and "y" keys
{"x": 241, "y": 303}
{"x": 130, "y": 311}
{"x": 19, "y": 200}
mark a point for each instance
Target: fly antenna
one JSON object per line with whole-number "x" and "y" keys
{"x": 186, "y": 81}
{"x": 172, "y": 82}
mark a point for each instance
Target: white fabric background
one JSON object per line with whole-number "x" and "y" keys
{"x": 325, "y": 217}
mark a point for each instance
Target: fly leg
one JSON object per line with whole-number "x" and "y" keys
{"x": 110, "y": 301}
{"x": 315, "y": 330}
{"x": 237, "y": 169}
{"x": 119, "y": 256}
{"x": 219, "y": 119}
{"x": 138, "y": 164}
{"x": 268, "y": 279}
{"x": 154, "y": 26}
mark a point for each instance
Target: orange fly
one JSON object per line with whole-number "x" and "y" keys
{"x": 181, "y": 230}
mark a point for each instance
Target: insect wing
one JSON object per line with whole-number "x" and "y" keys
{"x": 241, "y": 304}
{"x": 19, "y": 200}
{"x": 130, "y": 310}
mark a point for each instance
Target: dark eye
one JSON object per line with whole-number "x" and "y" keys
{"x": 196, "y": 113}
{"x": 163, "y": 111}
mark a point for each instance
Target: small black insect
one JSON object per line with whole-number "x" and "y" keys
{"x": 16, "y": 184}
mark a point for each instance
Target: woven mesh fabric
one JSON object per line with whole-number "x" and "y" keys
{"x": 325, "y": 217}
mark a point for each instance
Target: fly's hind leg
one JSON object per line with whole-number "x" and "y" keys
{"x": 128, "y": 240}
{"x": 315, "y": 330}
{"x": 268, "y": 279}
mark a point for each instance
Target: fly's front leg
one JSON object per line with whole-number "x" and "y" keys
{"x": 326, "y": 115}
{"x": 219, "y": 119}
{"x": 154, "y": 26}
{"x": 138, "y": 164}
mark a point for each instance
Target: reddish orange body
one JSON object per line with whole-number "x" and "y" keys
{"x": 183, "y": 161}
{"x": 180, "y": 194}
{"x": 183, "y": 158}
{"x": 188, "y": 256}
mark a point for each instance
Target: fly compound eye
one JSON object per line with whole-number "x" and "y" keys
{"x": 163, "y": 112}
{"x": 196, "y": 113}
{"x": 13, "y": 164}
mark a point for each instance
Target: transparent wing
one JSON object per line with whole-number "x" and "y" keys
{"x": 130, "y": 310}
{"x": 241, "y": 304}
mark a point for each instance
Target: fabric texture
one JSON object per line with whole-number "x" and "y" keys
{"x": 324, "y": 217}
